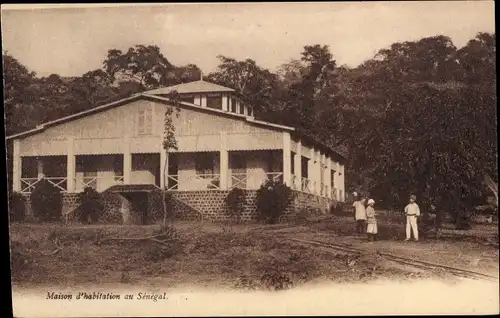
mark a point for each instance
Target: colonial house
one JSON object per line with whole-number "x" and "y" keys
{"x": 118, "y": 147}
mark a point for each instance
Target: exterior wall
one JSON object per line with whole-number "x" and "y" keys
{"x": 115, "y": 132}
{"x": 105, "y": 132}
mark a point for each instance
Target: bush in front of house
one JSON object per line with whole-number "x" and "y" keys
{"x": 46, "y": 201}
{"x": 92, "y": 206}
{"x": 235, "y": 200}
{"x": 17, "y": 207}
{"x": 273, "y": 197}
{"x": 156, "y": 206}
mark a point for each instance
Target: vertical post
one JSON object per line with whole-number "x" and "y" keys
{"x": 318, "y": 172}
{"x": 287, "y": 159}
{"x": 337, "y": 179}
{"x": 223, "y": 161}
{"x": 328, "y": 177}
{"x": 70, "y": 166}
{"x": 163, "y": 165}
{"x": 310, "y": 172}
{"x": 39, "y": 168}
{"x": 298, "y": 166}
{"x": 342, "y": 183}
{"x": 225, "y": 106}
{"x": 127, "y": 160}
{"x": 16, "y": 166}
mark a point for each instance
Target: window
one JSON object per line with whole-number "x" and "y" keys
{"x": 145, "y": 121}
{"x": 214, "y": 102}
{"x": 293, "y": 163}
{"x": 332, "y": 173}
{"x": 250, "y": 111}
{"x": 233, "y": 105}
{"x": 305, "y": 170}
{"x": 205, "y": 163}
{"x": 187, "y": 99}
{"x": 242, "y": 108}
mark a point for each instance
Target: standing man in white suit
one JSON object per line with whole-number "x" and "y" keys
{"x": 412, "y": 212}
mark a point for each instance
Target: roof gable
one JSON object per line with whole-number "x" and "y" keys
{"x": 191, "y": 87}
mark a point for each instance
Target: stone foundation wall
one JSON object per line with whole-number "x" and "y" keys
{"x": 117, "y": 208}
{"x": 192, "y": 205}
{"x": 213, "y": 207}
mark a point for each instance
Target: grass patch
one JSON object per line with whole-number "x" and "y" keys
{"x": 221, "y": 256}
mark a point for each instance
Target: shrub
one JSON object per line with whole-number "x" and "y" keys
{"x": 92, "y": 206}
{"x": 156, "y": 206}
{"x": 17, "y": 207}
{"x": 46, "y": 201}
{"x": 273, "y": 198}
{"x": 235, "y": 200}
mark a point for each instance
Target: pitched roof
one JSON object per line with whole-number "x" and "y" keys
{"x": 154, "y": 95}
{"x": 191, "y": 87}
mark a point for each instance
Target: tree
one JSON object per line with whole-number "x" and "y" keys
{"x": 144, "y": 64}
{"x": 169, "y": 143}
{"x": 17, "y": 95}
{"x": 308, "y": 83}
{"x": 254, "y": 83}
{"x": 93, "y": 88}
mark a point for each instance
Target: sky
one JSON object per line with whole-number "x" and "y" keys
{"x": 71, "y": 41}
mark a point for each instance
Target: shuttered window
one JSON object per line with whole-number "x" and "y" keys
{"x": 145, "y": 121}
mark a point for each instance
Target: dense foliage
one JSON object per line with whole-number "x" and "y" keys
{"x": 92, "y": 206}
{"x": 273, "y": 198}
{"x": 17, "y": 207}
{"x": 46, "y": 201}
{"x": 235, "y": 201}
{"x": 419, "y": 117}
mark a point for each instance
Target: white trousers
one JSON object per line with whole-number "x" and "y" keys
{"x": 411, "y": 224}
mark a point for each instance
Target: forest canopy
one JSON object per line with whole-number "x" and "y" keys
{"x": 419, "y": 117}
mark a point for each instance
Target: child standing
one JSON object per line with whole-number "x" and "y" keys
{"x": 359, "y": 214}
{"x": 372, "y": 229}
{"x": 412, "y": 212}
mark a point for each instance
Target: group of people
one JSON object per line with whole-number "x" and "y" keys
{"x": 366, "y": 221}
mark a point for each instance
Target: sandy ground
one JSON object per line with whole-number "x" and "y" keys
{"x": 221, "y": 270}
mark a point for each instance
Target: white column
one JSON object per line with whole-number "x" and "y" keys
{"x": 39, "y": 168}
{"x": 163, "y": 164}
{"x": 287, "y": 159}
{"x": 318, "y": 172}
{"x": 225, "y": 106}
{"x": 127, "y": 160}
{"x": 298, "y": 166}
{"x": 342, "y": 183}
{"x": 70, "y": 166}
{"x": 337, "y": 180}
{"x": 224, "y": 161}
{"x": 203, "y": 101}
{"x": 310, "y": 172}
{"x": 16, "y": 166}
{"x": 329, "y": 177}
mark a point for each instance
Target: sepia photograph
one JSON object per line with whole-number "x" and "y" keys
{"x": 243, "y": 159}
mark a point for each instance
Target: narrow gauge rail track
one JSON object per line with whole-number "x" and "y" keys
{"x": 398, "y": 259}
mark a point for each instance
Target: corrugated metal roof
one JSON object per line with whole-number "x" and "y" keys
{"x": 191, "y": 87}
